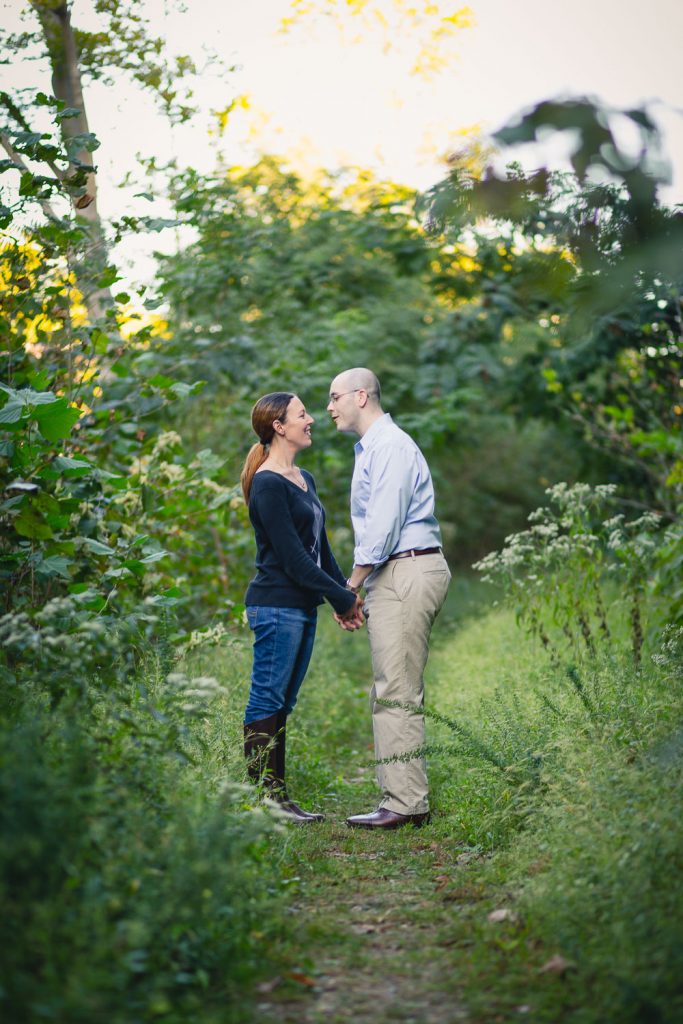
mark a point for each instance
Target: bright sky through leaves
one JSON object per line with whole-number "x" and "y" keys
{"x": 330, "y": 94}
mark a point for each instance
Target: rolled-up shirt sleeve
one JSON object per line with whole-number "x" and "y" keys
{"x": 389, "y": 476}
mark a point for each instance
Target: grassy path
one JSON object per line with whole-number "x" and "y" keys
{"x": 381, "y": 928}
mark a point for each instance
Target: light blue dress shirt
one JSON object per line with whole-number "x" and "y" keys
{"x": 392, "y": 495}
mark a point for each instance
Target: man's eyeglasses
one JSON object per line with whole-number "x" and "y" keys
{"x": 335, "y": 398}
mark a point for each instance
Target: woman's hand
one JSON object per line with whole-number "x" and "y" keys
{"x": 354, "y": 618}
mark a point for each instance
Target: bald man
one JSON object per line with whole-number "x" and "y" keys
{"x": 399, "y": 562}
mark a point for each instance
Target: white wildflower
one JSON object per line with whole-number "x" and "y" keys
{"x": 172, "y": 472}
{"x": 166, "y": 439}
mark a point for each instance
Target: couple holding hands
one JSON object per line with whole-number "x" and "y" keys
{"x": 397, "y": 561}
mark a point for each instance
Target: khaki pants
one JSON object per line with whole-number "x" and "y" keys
{"x": 403, "y": 599}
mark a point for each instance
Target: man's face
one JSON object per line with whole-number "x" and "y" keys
{"x": 342, "y": 406}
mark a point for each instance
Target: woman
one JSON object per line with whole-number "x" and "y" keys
{"x": 295, "y": 572}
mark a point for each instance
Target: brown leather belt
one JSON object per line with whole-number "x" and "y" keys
{"x": 414, "y": 552}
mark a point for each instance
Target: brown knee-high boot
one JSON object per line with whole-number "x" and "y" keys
{"x": 264, "y": 743}
{"x": 280, "y": 758}
{"x": 260, "y": 750}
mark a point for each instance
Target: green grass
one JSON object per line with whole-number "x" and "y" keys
{"x": 556, "y": 798}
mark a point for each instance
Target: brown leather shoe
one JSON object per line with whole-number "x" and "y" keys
{"x": 383, "y": 818}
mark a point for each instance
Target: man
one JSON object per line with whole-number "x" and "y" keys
{"x": 398, "y": 559}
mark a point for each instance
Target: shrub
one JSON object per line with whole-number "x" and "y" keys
{"x": 136, "y": 881}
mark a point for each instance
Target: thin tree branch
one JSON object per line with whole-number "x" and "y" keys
{"x": 47, "y": 209}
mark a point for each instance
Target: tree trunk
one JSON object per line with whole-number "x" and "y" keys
{"x": 55, "y": 21}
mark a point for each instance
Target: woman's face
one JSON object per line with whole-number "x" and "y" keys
{"x": 297, "y": 426}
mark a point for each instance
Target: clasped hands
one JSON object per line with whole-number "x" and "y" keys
{"x": 353, "y": 619}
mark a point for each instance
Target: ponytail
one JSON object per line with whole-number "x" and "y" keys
{"x": 256, "y": 457}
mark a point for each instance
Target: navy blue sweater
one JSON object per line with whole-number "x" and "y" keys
{"x": 288, "y": 575}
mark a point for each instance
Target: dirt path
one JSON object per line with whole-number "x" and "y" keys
{"x": 380, "y": 926}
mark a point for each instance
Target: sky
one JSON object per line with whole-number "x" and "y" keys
{"x": 325, "y": 96}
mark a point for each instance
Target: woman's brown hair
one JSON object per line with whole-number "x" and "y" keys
{"x": 263, "y": 415}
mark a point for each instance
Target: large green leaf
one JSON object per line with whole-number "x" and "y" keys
{"x": 87, "y": 597}
{"x": 116, "y": 574}
{"x": 54, "y": 565}
{"x": 100, "y": 341}
{"x": 155, "y": 556}
{"x": 72, "y": 467}
{"x": 29, "y": 524}
{"x": 167, "y": 598}
{"x": 41, "y": 404}
{"x": 55, "y": 421}
{"x": 40, "y": 380}
{"x": 209, "y": 461}
{"x": 12, "y": 411}
{"x": 182, "y": 390}
{"x": 31, "y": 397}
{"x": 108, "y": 276}
{"x": 12, "y": 503}
{"x": 159, "y": 380}
{"x": 97, "y": 547}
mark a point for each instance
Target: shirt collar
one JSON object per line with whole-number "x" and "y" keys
{"x": 373, "y": 433}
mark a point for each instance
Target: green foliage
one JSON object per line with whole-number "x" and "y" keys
{"x": 122, "y": 42}
{"x": 568, "y": 777}
{"x": 617, "y": 889}
{"x": 498, "y": 762}
{"x": 560, "y": 571}
{"x": 134, "y": 869}
{"x": 142, "y": 880}
{"x": 96, "y": 502}
{"x": 137, "y": 894}
{"x": 135, "y": 873}
{"x": 290, "y": 281}
{"x": 580, "y": 306}
{"x": 579, "y": 312}
{"x": 98, "y": 497}
{"x": 286, "y": 284}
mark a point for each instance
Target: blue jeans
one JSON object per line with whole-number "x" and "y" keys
{"x": 283, "y": 643}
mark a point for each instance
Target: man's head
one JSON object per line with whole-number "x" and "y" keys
{"x": 354, "y": 400}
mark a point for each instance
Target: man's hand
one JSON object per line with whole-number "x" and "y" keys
{"x": 353, "y": 619}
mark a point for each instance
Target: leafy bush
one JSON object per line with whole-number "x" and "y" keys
{"x": 558, "y": 572}
{"x": 609, "y": 849}
{"x": 121, "y": 900}
{"x": 135, "y": 876}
